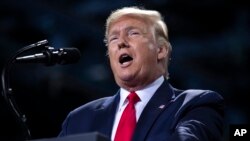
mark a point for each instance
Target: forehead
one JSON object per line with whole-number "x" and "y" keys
{"x": 128, "y": 21}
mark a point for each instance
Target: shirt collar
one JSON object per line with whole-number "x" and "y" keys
{"x": 144, "y": 94}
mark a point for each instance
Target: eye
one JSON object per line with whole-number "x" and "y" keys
{"x": 133, "y": 32}
{"x": 112, "y": 38}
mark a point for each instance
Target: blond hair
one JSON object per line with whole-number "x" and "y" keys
{"x": 152, "y": 16}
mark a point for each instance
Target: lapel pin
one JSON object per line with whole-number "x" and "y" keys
{"x": 162, "y": 106}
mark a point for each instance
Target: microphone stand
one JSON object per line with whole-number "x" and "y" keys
{"x": 7, "y": 90}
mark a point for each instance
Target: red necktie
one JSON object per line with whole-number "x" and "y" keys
{"x": 127, "y": 122}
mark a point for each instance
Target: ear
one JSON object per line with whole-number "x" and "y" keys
{"x": 162, "y": 52}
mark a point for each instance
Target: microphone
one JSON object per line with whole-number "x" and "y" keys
{"x": 52, "y": 56}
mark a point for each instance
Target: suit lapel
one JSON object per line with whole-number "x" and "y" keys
{"x": 160, "y": 100}
{"x": 107, "y": 113}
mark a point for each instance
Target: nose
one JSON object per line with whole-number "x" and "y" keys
{"x": 122, "y": 43}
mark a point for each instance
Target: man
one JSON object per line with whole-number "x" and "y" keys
{"x": 139, "y": 53}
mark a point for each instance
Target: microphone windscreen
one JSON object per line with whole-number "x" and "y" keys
{"x": 68, "y": 55}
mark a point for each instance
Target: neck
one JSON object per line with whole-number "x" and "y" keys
{"x": 135, "y": 86}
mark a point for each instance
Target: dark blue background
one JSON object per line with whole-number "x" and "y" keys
{"x": 211, "y": 50}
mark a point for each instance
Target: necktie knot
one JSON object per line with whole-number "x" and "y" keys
{"x": 133, "y": 98}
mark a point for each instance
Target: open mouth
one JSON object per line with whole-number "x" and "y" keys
{"x": 125, "y": 58}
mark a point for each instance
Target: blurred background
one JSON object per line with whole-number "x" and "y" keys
{"x": 211, "y": 49}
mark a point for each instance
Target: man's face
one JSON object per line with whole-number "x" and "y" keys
{"x": 133, "y": 52}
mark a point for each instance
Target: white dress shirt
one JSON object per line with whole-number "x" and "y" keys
{"x": 144, "y": 95}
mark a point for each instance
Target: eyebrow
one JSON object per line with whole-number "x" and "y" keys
{"x": 126, "y": 29}
{"x": 130, "y": 28}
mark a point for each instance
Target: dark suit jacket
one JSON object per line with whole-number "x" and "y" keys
{"x": 170, "y": 115}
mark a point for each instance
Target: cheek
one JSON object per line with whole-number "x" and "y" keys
{"x": 110, "y": 52}
{"x": 149, "y": 55}
{"x": 151, "y": 46}
{"x": 148, "y": 50}
{"x": 148, "y": 43}
{"x": 111, "y": 55}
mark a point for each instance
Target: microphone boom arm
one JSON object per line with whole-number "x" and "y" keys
{"x": 7, "y": 91}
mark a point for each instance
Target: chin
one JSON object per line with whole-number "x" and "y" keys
{"x": 125, "y": 79}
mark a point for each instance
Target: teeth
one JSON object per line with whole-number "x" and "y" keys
{"x": 125, "y": 58}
